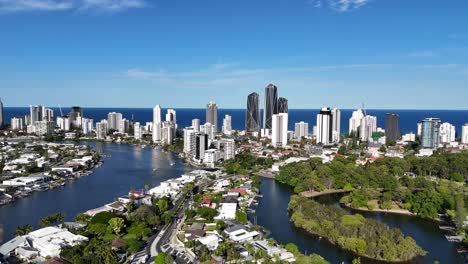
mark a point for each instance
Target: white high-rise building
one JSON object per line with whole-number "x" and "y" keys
{"x": 196, "y": 124}
{"x": 167, "y": 133}
{"x": 301, "y": 129}
{"x": 17, "y": 123}
{"x": 227, "y": 124}
{"x": 114, "y": 120}
{"x": 227, "y": 146}
{"x": 171, "y": 116}
{"x": 101, "y": 130}
{"x": 124, "y": 126}
{"x": 279, "y": 130}
{"x": 47, "y": 114}
{"x": 447, "y": 133}
{"x": 137, "y": 131}
{"x": 209, "y": 130}
{"x": 355, "y": 121}
{"x": 464, "y": 138}
{"x": 367, "y": 127}
{"x": 149, "y": 127}
{"x": 87, "y": 125}
{"x": 157, "y": 132}
{"x": 63, "y": 123}
{"x": 324, "y": 126}
{"x": 157, "y": 114}
{"x": 156, "y": 125}
{"x": 188, "y": 138}
{"x": 419, "y": 129}
{"x": 336, "y": 125}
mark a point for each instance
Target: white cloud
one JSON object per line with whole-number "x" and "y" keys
{"x": 39, "y": 5}
{"x": 111, "y": 5}
{"x": 339, "y": 5}
{"x": 423, "y": 54}
{"x": 12, "y": 6}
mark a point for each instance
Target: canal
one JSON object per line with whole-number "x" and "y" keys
{"x": 273, "y": 215}
{"x": 125, "y": 167}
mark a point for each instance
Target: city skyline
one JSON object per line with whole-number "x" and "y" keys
{"x": 321, "y": 49}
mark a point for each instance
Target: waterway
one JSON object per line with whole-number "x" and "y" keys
{"x": 125, "y": 167}
{"x": 272, "y": 214}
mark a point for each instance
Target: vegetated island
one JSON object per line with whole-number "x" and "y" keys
{"x": 364, "y": 237}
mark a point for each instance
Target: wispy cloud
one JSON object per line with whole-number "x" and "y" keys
{"x": 339, "y": 5}
{"x": 12, "y": 6}
{"x": 229, "y": 76}
{"x": 233, "y": 76}
{"x": 423, "y": 54}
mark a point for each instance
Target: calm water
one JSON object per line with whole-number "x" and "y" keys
{"x": 273, "y": 215}
{"x": 126, "y": 167}
{"x": 408, "y": 118}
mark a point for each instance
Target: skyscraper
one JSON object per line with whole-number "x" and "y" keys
{"x": 301, "y": 129}
{"x": 336, "y": 125}
{"x": 196, "y": 124}
{"x": 447, "y": 133}
{"x": 75, "y": 116}
{"x": 171, "y": 116}
{"x": 113, "y": 121}
{"x": 324, "y": 126}
{"x": 212, "y": 114}
{"x": 188, "y": 138}
{"x": 36, "y": 113}
{"x": 101, "y": 129}
{"x": 282, "y": 105}
{"x": 368, "y": 127}
{"x": 1, "y": 113}
{"x": 156, "y": 129}
{"x": 227, "y": 124}
{"x": 464, "y": 138}
{"x": 47, "y": 114}
{"x": 271, "y": 105}
{"x": 252, "y": 115}
{"x": 355, "y": 121}
{"x": 279, "y": 131}
{"x": 392, "y": 129}
{"x": 430, "y": 133}
{"x": 17, "y": 123}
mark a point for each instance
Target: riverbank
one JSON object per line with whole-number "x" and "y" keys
{"x": 353, "y": 233}
{"x": 43, "y": 166}
{"x": 313, "y": 194}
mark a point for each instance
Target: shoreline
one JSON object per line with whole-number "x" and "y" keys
{"x": 353, "y": 252}
{"x": 313, "y": 194}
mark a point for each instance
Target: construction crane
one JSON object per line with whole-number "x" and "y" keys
{"x": 60, "y": 107}
{"x": 364, "y": 109}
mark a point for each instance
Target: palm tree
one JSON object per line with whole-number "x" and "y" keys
{"x": 59, "y": 217}
{"x": 23, "y": 230}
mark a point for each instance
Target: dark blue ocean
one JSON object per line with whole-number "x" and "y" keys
{"x": 408, "y": 118}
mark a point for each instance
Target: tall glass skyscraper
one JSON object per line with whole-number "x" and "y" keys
{"x": 392, "y": 130}
{"x": 282, "y": 105}
{"x": 430, "y": 133}
{"x": 212, "y": 114}
{"x": 252, "y": 114}
{"x": 271, "y": 105}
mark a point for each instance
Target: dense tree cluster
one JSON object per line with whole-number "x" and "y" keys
{"x": 364, "y": 237}
{"x": 246, "y": 162}
{"x": 385, "y": 180}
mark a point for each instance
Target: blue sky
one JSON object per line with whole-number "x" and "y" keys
{"x": 184, "y": 53}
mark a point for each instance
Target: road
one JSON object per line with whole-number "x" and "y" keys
{"x": 161, "y": 241}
